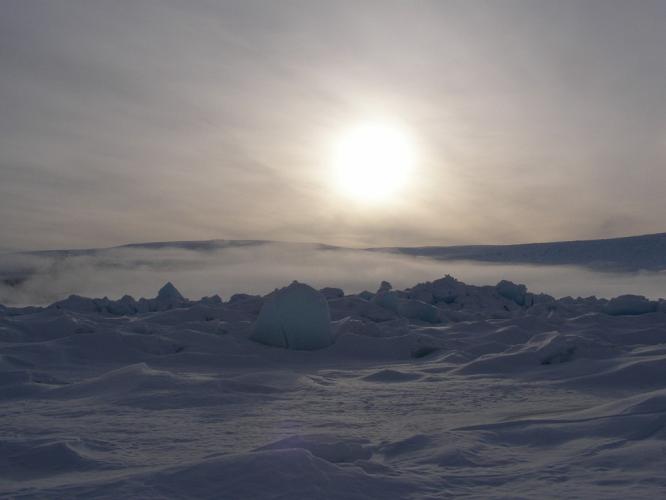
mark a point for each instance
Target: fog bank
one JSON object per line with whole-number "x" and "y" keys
{"x": 260, "y": 269}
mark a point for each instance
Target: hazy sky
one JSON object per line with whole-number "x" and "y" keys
{"x": 125, "y": 121}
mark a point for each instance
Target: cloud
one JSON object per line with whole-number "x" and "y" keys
{"x": 131, "y": 121}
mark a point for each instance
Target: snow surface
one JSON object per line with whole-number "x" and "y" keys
{"x": 439, "y": 390}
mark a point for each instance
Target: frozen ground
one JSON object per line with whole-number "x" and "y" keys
{"x": 440, "y": 390}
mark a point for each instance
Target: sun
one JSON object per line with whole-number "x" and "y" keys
{"x": 372, "y": 161}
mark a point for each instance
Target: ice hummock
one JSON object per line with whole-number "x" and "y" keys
{"x": 629, "y": 305}
{"x": 295, "y": 317}
{"x": 169, "y": 293}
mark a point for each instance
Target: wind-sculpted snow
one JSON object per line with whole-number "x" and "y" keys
{"x": 438, "y": 390}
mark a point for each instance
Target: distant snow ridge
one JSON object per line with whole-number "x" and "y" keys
{"x": 288, "y": 312}
{"x": 167, "y": 298}
{"x": 295, "y": 317}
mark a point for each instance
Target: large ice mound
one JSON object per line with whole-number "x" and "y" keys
{"x": 629, "y": 305}
{"x": 295, "y": 317}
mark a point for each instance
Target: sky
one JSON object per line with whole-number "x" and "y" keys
{"x": 134, "y": 121}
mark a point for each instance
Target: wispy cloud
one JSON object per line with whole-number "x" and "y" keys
{"x": 134, "y": 121}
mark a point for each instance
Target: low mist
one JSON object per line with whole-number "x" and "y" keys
{"x": 259, "y": 269}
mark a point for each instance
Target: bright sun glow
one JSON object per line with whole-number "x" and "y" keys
{"x": 372, "y": 161}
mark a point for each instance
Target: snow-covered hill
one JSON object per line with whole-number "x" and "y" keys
{"x": 439, "y": 390}
{"x": 633, "y": 253}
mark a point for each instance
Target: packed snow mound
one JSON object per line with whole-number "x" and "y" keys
{"x": 294, "y": 317}
{"x": 416, "y": 309}
{"x": 169, "y": 292}
{"x": 512, "y": 291}
{"x": 630, "y": 305}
